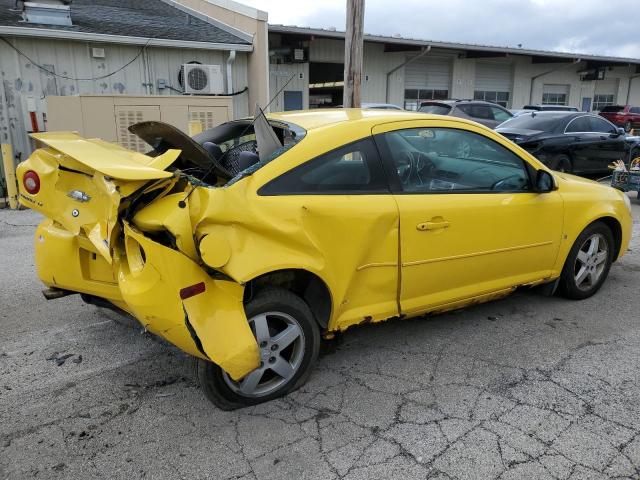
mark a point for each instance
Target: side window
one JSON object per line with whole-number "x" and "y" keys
{"x": 352, "y": 169}
{"x": 440, "y": 160}
{"x": 580, "y": 124}
{"x": 600, "y": 125}
{"x": 634, "y": 110}
{"x": 481, "y": 111}
{"x": 500, "y": 115}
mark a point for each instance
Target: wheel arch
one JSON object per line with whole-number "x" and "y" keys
{"x": 616, "y": 229}
{"x": 307, "y": 285}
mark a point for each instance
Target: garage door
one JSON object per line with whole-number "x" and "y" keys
{"x": 555, "y": 94}
{"x": 493, "y": 82}
{"x": 426, "y": 78}
{"x": 605, "y": 93}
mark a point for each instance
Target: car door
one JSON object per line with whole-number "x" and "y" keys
{"x": 468, "y": 226}
{"x": 610, "y": 144}
{"x": 582, "y": 144}
{"x": 342, "y": 215}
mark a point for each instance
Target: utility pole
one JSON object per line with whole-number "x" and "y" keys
{"x": 353, "y": 52}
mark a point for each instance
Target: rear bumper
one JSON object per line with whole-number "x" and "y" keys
{"x": 145, "y": 280}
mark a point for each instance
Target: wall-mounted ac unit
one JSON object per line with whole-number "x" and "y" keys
{"x": 203, "y": 79}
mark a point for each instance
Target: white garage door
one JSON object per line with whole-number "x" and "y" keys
{"x": 555, "y": 94}
{"x": 426, "y": 78}
{"x": 605, "y": 93}
{"x": 493, "y": 82}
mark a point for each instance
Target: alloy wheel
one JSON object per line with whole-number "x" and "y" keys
{"x": 281, "y": 342}
{"x": 591, "y": 262}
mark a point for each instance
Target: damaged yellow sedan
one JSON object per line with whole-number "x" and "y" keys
{"x": 245, "y": 245}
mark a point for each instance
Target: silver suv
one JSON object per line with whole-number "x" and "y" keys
{"x": 486, "y": 113}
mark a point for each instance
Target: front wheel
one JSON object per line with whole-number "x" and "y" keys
{"x": 289, "y": 340}
{"x": 588, "y": 262}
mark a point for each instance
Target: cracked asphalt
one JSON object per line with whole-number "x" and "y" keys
{"x": 529, "y": 387}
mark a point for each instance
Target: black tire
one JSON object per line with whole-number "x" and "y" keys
{"x": 563, "y": 164}
{"x": 217, "y": 386}
{"x": 569, "y": 287}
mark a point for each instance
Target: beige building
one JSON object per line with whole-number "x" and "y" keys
{"x": 406, "y": 71}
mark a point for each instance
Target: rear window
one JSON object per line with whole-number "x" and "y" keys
{"x": 612, "y": 109}
{"x": 436, "y": 108}
{"x": 536, "y": 121}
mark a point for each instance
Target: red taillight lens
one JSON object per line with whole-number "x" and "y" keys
{"x": 193, "y": 290}
{"x": 31, "y": 182}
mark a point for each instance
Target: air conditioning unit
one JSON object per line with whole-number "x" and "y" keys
{"x": 203, "y": 79}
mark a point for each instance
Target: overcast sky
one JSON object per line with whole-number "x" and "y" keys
{"x": 607, "y": 27}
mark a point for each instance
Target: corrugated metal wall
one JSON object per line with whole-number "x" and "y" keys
{"x": 24, "y": 83}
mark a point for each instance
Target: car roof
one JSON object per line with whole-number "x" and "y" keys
{"x": 451, "y": 102}
{"x": 316, "y": 118}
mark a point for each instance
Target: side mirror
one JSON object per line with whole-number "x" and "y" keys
{"x": 544, "y": 182}
{"x": 619, "y": 132}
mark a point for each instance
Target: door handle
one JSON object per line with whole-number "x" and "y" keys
{"x": 432, "y": 225}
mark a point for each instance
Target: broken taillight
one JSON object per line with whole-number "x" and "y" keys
{"x": 192, "y": 291}
{"x": 31, "y": 182}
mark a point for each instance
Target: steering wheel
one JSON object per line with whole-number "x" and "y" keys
{"x": 413, "y": 164}
{"x": 508, "y": 184}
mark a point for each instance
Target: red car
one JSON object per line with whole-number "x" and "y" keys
{"x": 624, "y": 116}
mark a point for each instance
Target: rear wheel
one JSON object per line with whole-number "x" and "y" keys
{"x": 588, "y": 262}
{"x": 288, "y": 338}
{"x": 563, "y": 164}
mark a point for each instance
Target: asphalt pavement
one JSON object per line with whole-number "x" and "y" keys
{"x": 529, "y": 387}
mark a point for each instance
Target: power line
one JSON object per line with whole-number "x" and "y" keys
{"x": 49, "y": 72}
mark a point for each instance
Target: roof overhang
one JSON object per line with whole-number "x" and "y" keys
{"x": 119, "y": 39}
{"x": 499, "y": 51}
{"x": 247, "y": 37}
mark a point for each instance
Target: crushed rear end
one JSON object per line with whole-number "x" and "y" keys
{"x": 119, "y": 228}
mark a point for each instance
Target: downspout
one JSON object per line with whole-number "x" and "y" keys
{"x": 422, "y": 53}
{"x": 535, "y": 77}
{"x": 230, "y": 60}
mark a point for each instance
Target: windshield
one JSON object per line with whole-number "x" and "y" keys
{"x": 437, "y": 108}
{"x": 535, "y": 121}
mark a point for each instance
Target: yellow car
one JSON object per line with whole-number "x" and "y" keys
{"x": 247, "y": 244}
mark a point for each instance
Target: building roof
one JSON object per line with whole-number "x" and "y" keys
{"x": 469, "y": 47}
{"x": 157, "y": 22}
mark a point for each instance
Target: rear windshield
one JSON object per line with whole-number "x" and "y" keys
{"x": 536, "y": 121}
{"x": 437, "y": 108}
{"x": 612, "y": 109}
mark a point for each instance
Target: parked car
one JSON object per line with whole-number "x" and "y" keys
{"x": 486, "y": 113}
{"x": 624, "y": 116}
{"x": 382, "y": 106}
{"x": 550, "y": 108}
{"x": 568, "y": 142}
{"x": 246, "y": 260}
{"x": 378, "y": 106}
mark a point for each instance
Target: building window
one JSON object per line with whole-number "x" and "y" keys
{"x": 600, "y": 101}
{"x": 501, "y": 98}
{"x": 554, "y": 98}
{"x": 413, "y": 97}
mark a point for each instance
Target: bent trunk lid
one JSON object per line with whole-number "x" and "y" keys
{"x": 83, "y": 182}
